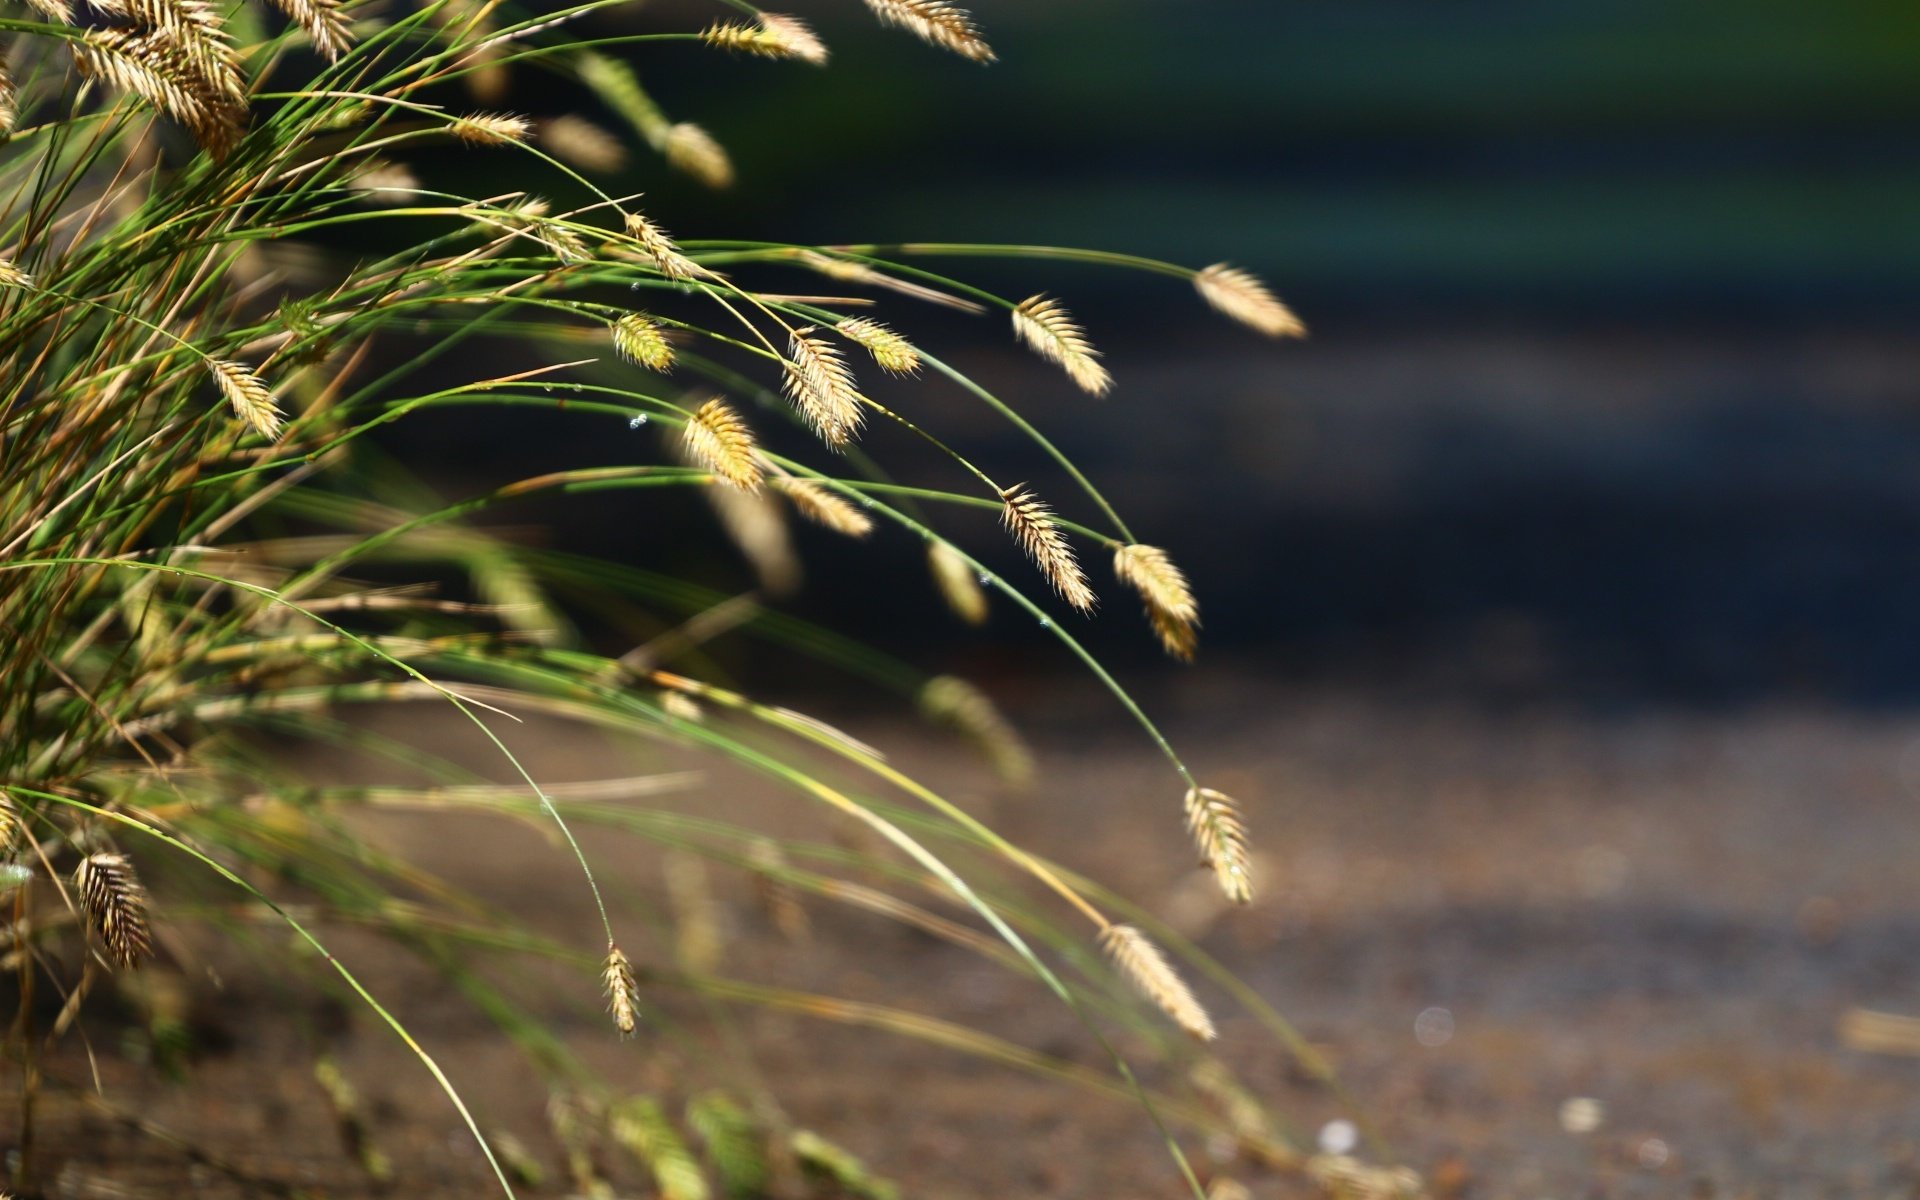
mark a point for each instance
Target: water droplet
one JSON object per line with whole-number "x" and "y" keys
{"x": 1045, "y": 624}
{"x": 985, "y": 579}
{"x": 1339, "y": 1137}
{"x": 637, "y": 421}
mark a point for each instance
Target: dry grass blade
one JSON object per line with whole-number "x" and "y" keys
{"x": 824, "y": 506}
{"x": 640, "y": 340}
{"x": 1221, "y": 837}
{"x": 1148, "y": 970}
{"x": 822, "y": 388}
{"x": 894, "y": 354}
{"x": 847, "y": 270}
{"x": 623, "y": 992}
{"x": 1031, "y": 523}
{"x": 1241, "y": 295}
{"x": 716, "y": 436}
{"x": 774, "y": 35}
{"x": 957, "y": 583}
{"x": 692, "y": 149}
{"x": 666, "y": 256}
{"x": 937, "y": 22}
{"x": 582, "y": 143}
{"x": 1169, "y": 599}
{"x": 958, "y": 704}
{"x": 1047, "y": 327}
{"x": 251, "y": 399}
{"x": 325, "y": 22}
{"x": 115, "y": 906}
{"x": 491, "y": 129}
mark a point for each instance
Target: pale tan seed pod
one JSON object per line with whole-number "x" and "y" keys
{"x": 1213, "y": 818}
{"x": 717, "y": 437}
{"x": 958, "y": 585}
{"x": 774, "y": 35}
{"x": 640, "y": 340}
{"x": 1241, "y": 295}
{"x": 115, "y": 906}
{"x": 936, "y": 22}
{"x": 12, "y": 276}
{"x": 623, "y": 991}
{"x": 1152, "y": 976}
{"x": 779, "y": 899}
{"x": 251, "y": 399}
{"x": 691, "y": 149}
{"x": 824, "y": 506}
{"x": 1032, "y": 525}
{"x": 822, "y": 388}
{"x": 1051, "y": 332}
{"x": 959, "y": 705}
{"x": 582, "y": 143}
{"x": 491, "y": 129}
{"x": 1163, "y": 587}
{"x": 325, "y": 22}
{"x": 894, "y": 354}
{"x": 666, "y": 256}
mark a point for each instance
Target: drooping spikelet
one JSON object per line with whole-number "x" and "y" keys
{"x": 774, "y": 35}
{"x": 642, "y": 1129}
{"x": 252, "y": 401}
{"x": 692, "y": 149}
{"x": 491, "y": 129}
{"x": 115, "y": 906}
{"x": 894, "y": 353}
{"x": 1046, "y": 326}
{"x": 1241, "y": 295}
{"x": 822, "y": 388}
{"x": 824, "y": 506}
{"x": 12, "y": 276}
{"x": 717, "y": 437}
{"x": 659, "y": 247}
{"x": 1032, "y": 525}
{"x": 326, "y": 23}
{"x": 958, "y": 585}
{"x": 639, "y": 339}
{"x": 938, "y": 22}
{"x": 582, "y": 143}
{"x": 192, "y": 34}
{"x": 758, "y": 528}
{"x": 153, "y": 65}
{"x": 1148, "y": 970}
{"x": 1221, "y": 837}
{"x": 958, "y": 704}
{"x": 623, "y": 991}
{"x": 1169, "y": 600}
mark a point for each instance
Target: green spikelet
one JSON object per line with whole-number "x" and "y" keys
{"x": 642, "y": 1129}
{"x": 733, "y": 1143}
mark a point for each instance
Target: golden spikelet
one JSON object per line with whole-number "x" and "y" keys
{"x": 758, "y": 528}
{"x": 717, "y": 437}
{"x": 12, "y": 276}
{"x": 1046, "y": 326}
{"x": 691, "y": 149}
{"x": 1241, "y": 295}
{"x": 582, "y": 143}
{"x": 894, "y": 353}
{"x": 1148, "y": 970}
{"x": 9, "y": 820}
{"x": 1221, "y": 837}
{"x": 778, "y": 898}
{"x": 193, "y": 32}
{"x": 1169, "y": 600}
{"x": 666, "y": 256}
{"x": 9, "y": 95}
{"x": 152, "y": 66}
{"x": 937, "y": 22}
{"x": 491, "y": 129}
{"x": 115, "y": 906}
{"x": 251, "y": 400}
{"x": 57, "y": 11}
{"x": 623, "y": 991}
{"x": 640, "y": 340}
{"x": 958, "y": 585}
{"x": 824, "y": 506}
{"x": 822, "y": 388}
{"x": 325, "y": 22}
{"x": 774, "y": 35}
{"x": 1032, "y": 525}
{"x": 959, "y": 705}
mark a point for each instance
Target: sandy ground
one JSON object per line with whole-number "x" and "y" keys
{"x": 1478, "y": 915}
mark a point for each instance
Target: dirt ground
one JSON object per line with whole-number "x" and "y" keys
{"x": 1478, "y": 915}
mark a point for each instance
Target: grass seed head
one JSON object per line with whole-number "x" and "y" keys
{"x": 491, "y": 129}
{"x": 582, "y": 143}
{"x": 958, "y": 704}
{"x": 1049, "y": 329}
{"x": 1241, "y": 295}
{"x": 1153, "y": 977}
{"x": 937, "y": 22}
{"x": 325, "y": 22}
{"x": 772, "y": 35}
{"x": 691, "y": 149}
{"x": 12, "y": 276}
{"x": 894, "y": 353}
{"x": 1213, "y": 818}
{"x": 623, "y": 991}
{"x": 1168, "y": 597}
{"x": 717, "y": 437}
{"x": 1032, "y": 525}
{"x": 824, "y": 506}
{"x": 958, "y": 585}
{"x": 659, "y": 247}
{"x": 822, "y": 388}
{"x": 640, "y": 340}
{"x": 251, "y": 399}
{"x": 115, "y": 906}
